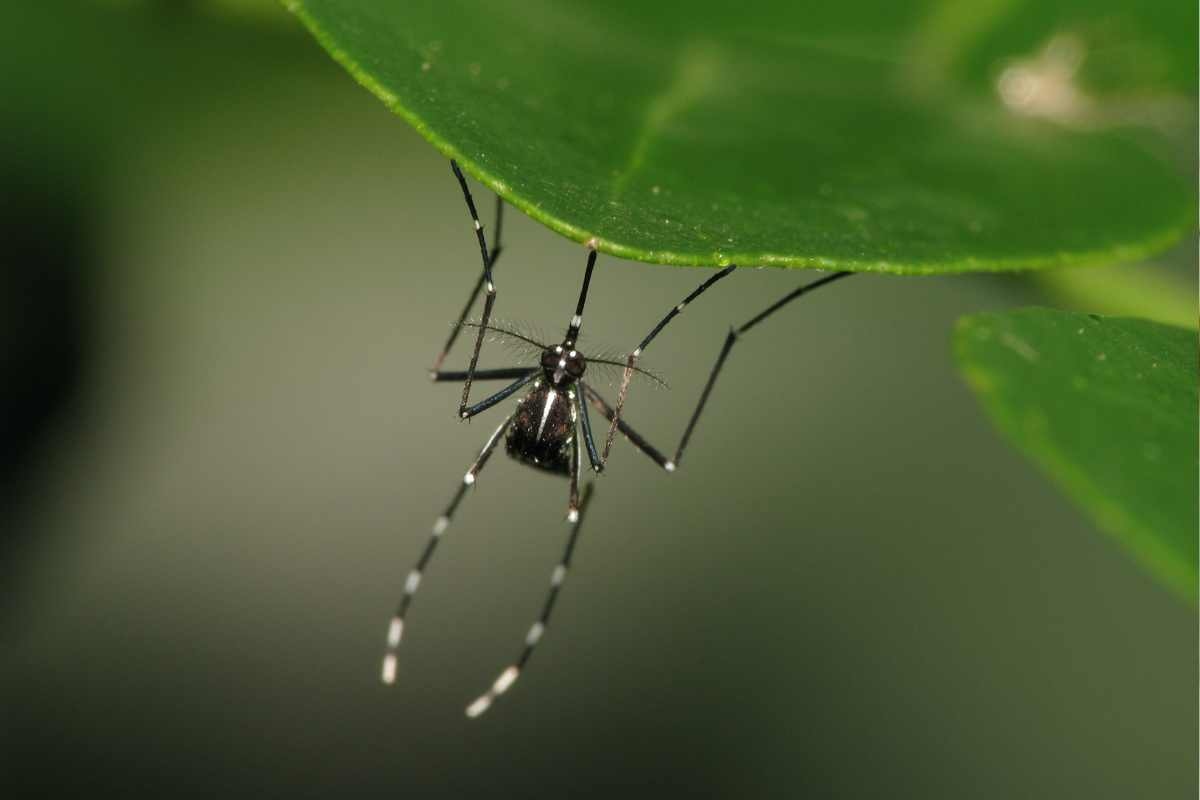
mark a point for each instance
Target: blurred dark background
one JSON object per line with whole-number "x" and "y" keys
{"x": 226, "y": 269}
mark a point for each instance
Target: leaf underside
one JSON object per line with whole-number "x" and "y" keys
{"x": 1107, "y": 408}
{"x": 854, "y": 135}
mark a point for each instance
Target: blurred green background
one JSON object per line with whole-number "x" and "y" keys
{"x": 227, "y": 271}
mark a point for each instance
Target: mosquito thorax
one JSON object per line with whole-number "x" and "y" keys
{"x": 563, "y": 364}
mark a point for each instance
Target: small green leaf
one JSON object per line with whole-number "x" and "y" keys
{"x": 863, "y": 135}
{"x": 1108, "y": 408}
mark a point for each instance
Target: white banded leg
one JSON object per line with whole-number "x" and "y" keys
{"x": 491, "y": 262}
{"x": 577, "y": 320}
{"x": 536, "y": 631}
{"x": 413, "y": 581}
{"x": 631, "y": 362}
{"x": 489, "y": 286}
{"x": 576, "y": 462}
{"x": 614, "y": 416}
{"x": 634, "y": 438}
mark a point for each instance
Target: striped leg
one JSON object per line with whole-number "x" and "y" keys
{"x": 579, "y": 413}
{"x": 510, "y": 674}
{"x": 577, "y": 320}
{"x": 492, "y": 258}
{"x": 396, "y": 627}
{"x": 631, "y": 362}
{"x": 614, "y": 416}
{"x": 635, "y": 438}
{"x": 489, "y": 285}
{"x": 576, "y": 468}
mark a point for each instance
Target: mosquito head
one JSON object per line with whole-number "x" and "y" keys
{"x": 563, "y": 364}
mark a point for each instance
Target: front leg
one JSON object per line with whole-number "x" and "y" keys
{"x": 493, "y": 256}
{"x": 618, "y": 423}
{"x": 614, "y": 415}
{"x": 631, "y": 362}
{"x": 489, "y": 285}
{"x": 507, "y": 391}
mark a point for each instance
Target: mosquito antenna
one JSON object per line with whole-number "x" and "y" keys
{"x": 505, "y": 331}
{"x": 513, "y": 671}
{"x": 608, "y": 362}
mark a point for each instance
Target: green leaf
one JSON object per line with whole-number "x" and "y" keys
{"x": 1107, "y": 407}
{"x": 855, "y": 135}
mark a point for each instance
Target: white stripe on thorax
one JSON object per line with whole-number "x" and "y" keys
{"x": 550, "y": 398}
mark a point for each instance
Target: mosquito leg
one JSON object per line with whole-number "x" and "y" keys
{"x": 492, "y": 258}
{"x": 631, "y": 362}
{"x": 730, "y": 339}
{"x": 510, "y": 674}
{"x": 507, "y": 391}
{"x": 635, "y": 438}
{"x": 396, "y": 627}
{"x": 489, "y": 285}
{"x": 577, "y": 319}
{"x": 507, "y": 373}
{"x": 585, "y": 424}
{"x": 573, "y": 475}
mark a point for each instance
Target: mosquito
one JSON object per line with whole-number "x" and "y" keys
{"x": 550, "y": 419}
